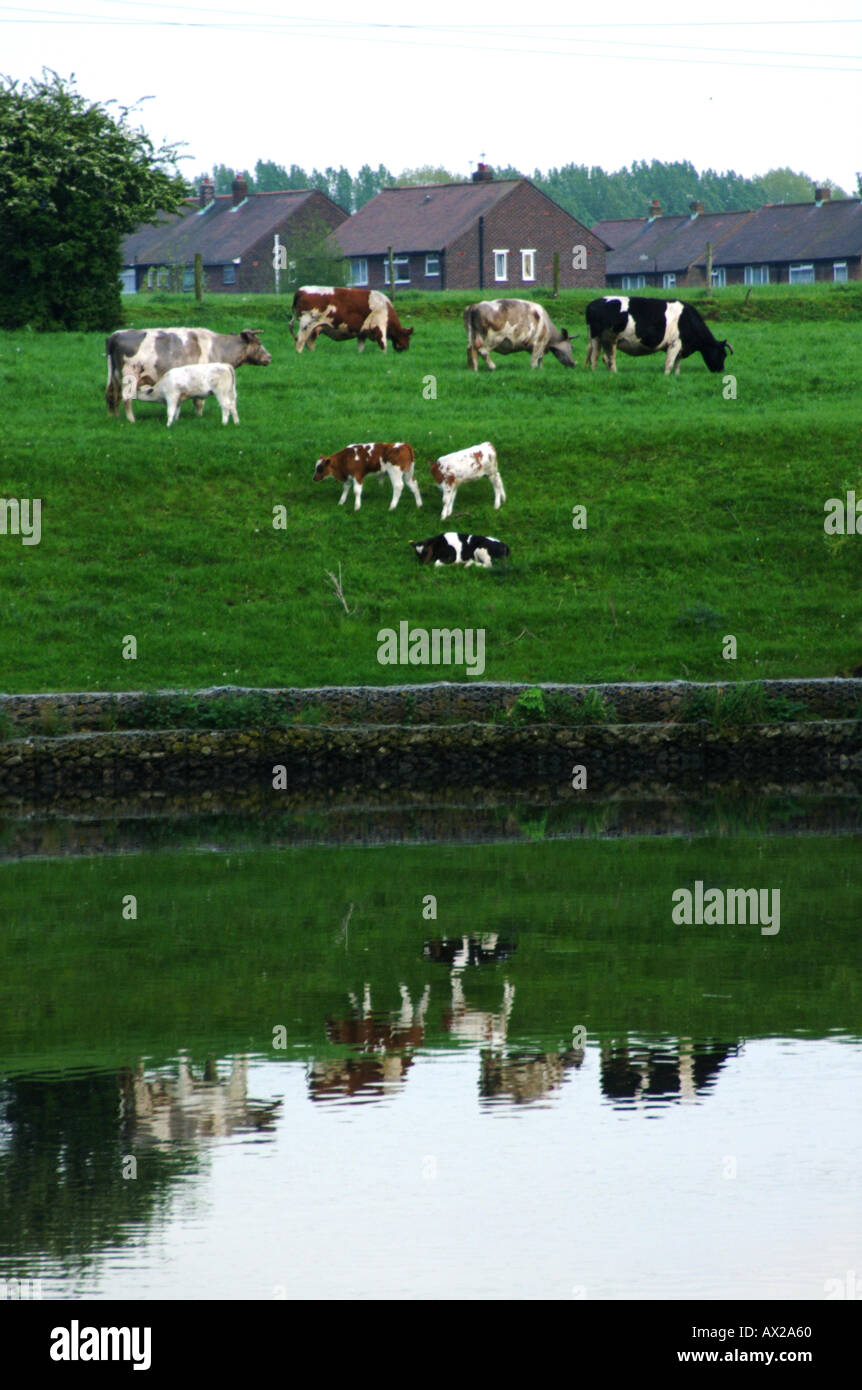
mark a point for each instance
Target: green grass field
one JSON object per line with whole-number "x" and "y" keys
{"x": 704, "y": 514}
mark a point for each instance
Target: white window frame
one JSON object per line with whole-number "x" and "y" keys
{"x": 501, "y": 265}
{"x": 793, "y": 273}
{"x": 719, "y": 277}
{"x": 358, "y": 271}
{"x": 528, "y": 264}
{"x": 634, "y": 282}
{"x": 228, "y": 273}
{"x": 756, "y": 275}
{"x": 397, "y": 262}
{"x": 668, "y": 280}
{"x": 128, "y": 280}
{"x": 434, "y": 258}
{"x": 839, "y": 266}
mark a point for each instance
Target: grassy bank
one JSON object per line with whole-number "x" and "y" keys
{"x": 704, "y": 513}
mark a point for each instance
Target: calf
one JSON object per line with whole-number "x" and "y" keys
{"x": 639, "y": 326}
{"x": 514, "y": 325}
{"x": 351, "y": 465}
{"x": 456, "y": 548}
{"x": 452, "y": 470}
{"x": 156, "y": 350}
{"x": 213, "y": 379}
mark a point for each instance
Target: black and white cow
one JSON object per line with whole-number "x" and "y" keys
{"x": 639, "y": 326}
{"x": 156, "y": 350}
{"x": 456, "y": 548}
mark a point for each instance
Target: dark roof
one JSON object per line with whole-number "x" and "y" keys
{"x": 219, "y": 232}
{"x": 654, "y": 245}
{"x": 423, "y": 217}
{"x": 796, "y": 232}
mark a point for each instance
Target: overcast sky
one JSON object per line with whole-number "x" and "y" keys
{"x": 404, "y": 87}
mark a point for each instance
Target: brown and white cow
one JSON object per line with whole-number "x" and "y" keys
{"x": 155, "y": 351}
{"x": 352, "y": 464}
{"x": 513, "y": 325}
{"x": 451, "y": 470}
{"x": 343, "y": 313}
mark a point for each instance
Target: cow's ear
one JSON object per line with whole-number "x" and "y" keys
{"x": 250, "y": 334}
{"x": 565, "y": 333}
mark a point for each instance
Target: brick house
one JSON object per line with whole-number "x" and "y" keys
{"x": 782, "y": 243}
{"x": 234, "y": 234}
{"x": 489, "y": 234}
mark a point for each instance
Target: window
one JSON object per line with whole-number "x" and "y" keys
{"x": 668, "y": 280}
{"x": 528, "y": 265}
{"x": 634, "y": 282}
{"x": 432, "y": 265}
{"x": 128, "y": 285}
{"x": 188, "y": 278}
{"x": 801, "y": 274}
{"x": 719, "y": 278}
{"x": 228, "y": 274}
{"x": 756, "y": 275}
{"x": 402, "y": 270}
{"x": 359, "y": 270}
{"x": 839, "y": 270}
{"x": 501, "y": 265}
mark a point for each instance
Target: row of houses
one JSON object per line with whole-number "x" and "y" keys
{"x": 496, "y": 235}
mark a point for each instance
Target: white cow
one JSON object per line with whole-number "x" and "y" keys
{"x": 181, "y": 383}
{"x": 514, "y": 325}
{"x": 452, "y": 470}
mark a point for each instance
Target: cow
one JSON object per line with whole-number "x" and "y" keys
{"x": 451, "y": 470}
{"x": 182, "y": 383}
{"x": 513, "y": 325}
{"x": 156, "y": 350}
{"x": 342, "y": 313}
{"x": 456, "y": 548}
{"x": 640, "y": 326}
{"x": 353, "y": 463}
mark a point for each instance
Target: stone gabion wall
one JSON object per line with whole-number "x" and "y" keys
{"x": 437, "y": 702}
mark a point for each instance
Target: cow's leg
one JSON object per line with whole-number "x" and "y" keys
{"x": 112, "y": 391}
{"x": 472, "y": 356}
{"x": 536, "y": 356}
{"x": 357, "y": 494}
{"x": 593, "y": 351}
{"x": 344, "y": 491}
{"x": 485, "y": 355}
{"x": 413, "y": 485}
{"x": 174, "y": 404}
{"x": 611, "y": 357}
{"x": 448, "y": 500}
{"x": 199, "y": 406}
{"x": 397, "y": 487}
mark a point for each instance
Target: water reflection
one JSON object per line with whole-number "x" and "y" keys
{"x": 638, "y": 1073}
{"x": 382, "y": 1047}
{"x": 169, "y": 1108}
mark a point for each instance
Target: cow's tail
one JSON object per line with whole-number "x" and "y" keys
{"x": 112, "y": 388}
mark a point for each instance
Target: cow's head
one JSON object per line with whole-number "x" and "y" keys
{"x": 400, "y": 338}
{"x": 322, "y": 469}
{"x": 714, "y": 354}
{"x": 424, "y": 551}
{"x": 563, "y": 349}
{"x": 255, "y": 352}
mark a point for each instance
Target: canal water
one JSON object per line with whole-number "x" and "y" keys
{"x": 498, "y": 1070}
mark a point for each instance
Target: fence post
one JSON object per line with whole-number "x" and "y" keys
{"x": 556, "y": 275}
{"x": 199, "y": 278}
{"x": 391, "y": 272}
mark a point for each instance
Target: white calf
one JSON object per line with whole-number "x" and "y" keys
{"x": 452, "y": 470}
{"x": 205, "y": 379}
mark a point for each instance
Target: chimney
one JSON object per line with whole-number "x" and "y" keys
{"x": 239, "y": 189}
{"x": 696, "y": 209}
{"x": 207, "y": 191}
{"x": 654, "y": 209}
{"x": 822, "y": 195}
{"x": 483, "y": 173}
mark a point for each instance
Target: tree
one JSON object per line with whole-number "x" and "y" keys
{"x": 313, "y": 258}
{"x": 426, "y": 173}
{"x": 74, "y": 180}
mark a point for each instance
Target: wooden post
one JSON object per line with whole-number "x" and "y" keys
{"x": 709, "y": 270}
{"x": 556, "y": 275}
{"x": 199, "y": 278}
{"x": 391, "y": 271}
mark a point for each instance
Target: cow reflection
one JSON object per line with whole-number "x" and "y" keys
{"x": 460, "y": 951}
{"x": 166, "y": 1110}
{"x": 637, "y": 1072}
{"x": 383, "y": 1045}
{"x": 524, "y": 1077}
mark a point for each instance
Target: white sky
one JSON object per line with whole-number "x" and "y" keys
{"x": 403, "y": 88}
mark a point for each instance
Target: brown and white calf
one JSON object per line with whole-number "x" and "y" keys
{"x": 157, "y": 350}
{"x": 356, "y": 461}
{"x": 452, "y": 470}
{"x": 341, "y": 313}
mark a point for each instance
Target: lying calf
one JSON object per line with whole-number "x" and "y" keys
{"x": 353, "y": 464}
{"x": 454, "y": 548}
{"x": 180, "y": 383}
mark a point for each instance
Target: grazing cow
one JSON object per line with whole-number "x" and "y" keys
{"x": 181, "y": 383}
{"x": 351, "y": 465}
{"x": 513, "y": 325}
{"x": 452, "y": 470}
{"x": 640, "y": 326}
{"x": 456, "y": 548}
{"x": 159, "y": 349}
{"x": 341, "y": 313}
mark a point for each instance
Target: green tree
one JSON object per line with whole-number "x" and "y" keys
{"x": 313, "y": 257}
{"x": 74, "y": 180}
{"x": 426, "y": 173}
